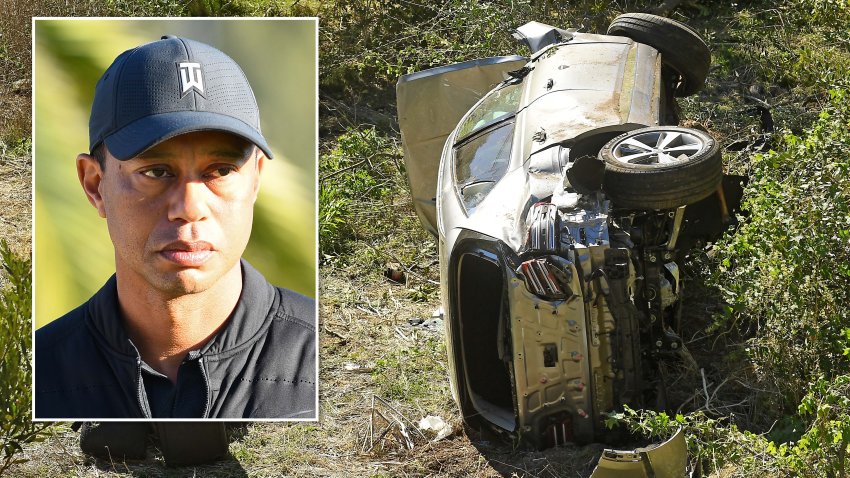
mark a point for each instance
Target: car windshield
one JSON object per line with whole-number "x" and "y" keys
{"x": 481, "y": 162}
{"x": 498, "y": 105}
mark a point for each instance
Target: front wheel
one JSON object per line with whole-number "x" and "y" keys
{"x": 660, "y": 167}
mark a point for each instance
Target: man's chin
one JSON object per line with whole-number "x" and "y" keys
{"x": 172, "y": 280}
{"x": 186, "y": 281}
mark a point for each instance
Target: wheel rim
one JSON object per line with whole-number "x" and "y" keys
{"x": 658, "y": 147}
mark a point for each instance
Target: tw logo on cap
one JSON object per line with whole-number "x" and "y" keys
{"x": 191, "y": 78}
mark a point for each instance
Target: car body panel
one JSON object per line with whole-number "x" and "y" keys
{"x": 607, "y": 85}
{"x": 603, "y": 85}
{"x": 667, "y": 459}
{"x": 430, "y": 104}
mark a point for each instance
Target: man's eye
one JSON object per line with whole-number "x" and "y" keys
{"x": 156, "y": 173}
{"x": 222, "y": 171}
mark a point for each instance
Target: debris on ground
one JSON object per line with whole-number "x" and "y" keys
{"x": 429, "y": 325}
{"x": 395, "y": 272}
{"x": 389, "y": 428}
{"x": 436, "y": 424}
{"x": 356, "y": 367}
{"x": 434, "y": 324}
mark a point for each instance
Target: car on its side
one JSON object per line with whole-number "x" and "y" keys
{"x": 564, "y": 200}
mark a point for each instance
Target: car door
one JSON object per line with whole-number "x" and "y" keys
{"x": 430, "y": 103}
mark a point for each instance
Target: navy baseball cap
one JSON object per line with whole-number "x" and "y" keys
{"x": 169, "y": 87}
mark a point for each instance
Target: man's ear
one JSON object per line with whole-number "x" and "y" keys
{"x": 261, "y": 161}
{"x": 91, "y": 174}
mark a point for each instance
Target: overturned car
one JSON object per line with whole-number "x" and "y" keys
{"x": 564, "y": 200}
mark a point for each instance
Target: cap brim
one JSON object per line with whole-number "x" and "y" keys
{"x": 144, "y": 133}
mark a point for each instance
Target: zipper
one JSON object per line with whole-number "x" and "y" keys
{"x": 139, "y": 390}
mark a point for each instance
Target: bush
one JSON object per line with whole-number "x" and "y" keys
{"x": 823, "y": 450}
{"x": 787, "y": 268}
{"x": 16, "y": 428}
{"x": 715, "y": 444}
{"x": 363, "y": 167}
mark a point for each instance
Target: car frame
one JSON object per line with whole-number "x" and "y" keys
{"x": 564, "y": 201}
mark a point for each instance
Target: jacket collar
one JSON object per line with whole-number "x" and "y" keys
{"x": 248, "y": 319}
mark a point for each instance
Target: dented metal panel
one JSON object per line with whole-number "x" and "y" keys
{"x": 537, "y": 36}
{"x": 430, "y": 104}
{"x": 668, "y": 459}
{"x": 547, "y": 388}
{"x": 584, "y": 87}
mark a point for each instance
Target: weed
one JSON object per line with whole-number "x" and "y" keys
{"x": 713, "y": 444}
{"x": 410, "y": 374}
{"x": 16, "y": 429}
{"x": 361, "y": 170}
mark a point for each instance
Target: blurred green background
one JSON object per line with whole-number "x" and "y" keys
{"x": 73, "y": 253}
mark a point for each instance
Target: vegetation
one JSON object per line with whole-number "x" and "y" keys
{"x": 718, "y": 445}
{"x": 768, "y": 321}
{"x": 16, "y": 429}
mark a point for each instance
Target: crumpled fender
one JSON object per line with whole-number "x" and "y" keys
{"x": 668, "y": 459}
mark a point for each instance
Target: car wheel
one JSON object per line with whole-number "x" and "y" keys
{"x": 681, "y": 47}
{"x": 660, "y": 167}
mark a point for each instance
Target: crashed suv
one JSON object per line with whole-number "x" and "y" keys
{"x": 564, "y": 200}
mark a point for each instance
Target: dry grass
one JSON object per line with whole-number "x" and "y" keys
{"x": 16, "y": 198}
{"x": 15, "y": 61}
{"x": 15, "y": 120}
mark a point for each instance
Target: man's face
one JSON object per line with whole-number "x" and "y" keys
{"x": 180, "y": 213}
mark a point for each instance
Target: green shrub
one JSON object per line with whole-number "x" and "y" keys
{"x": 787, "y": 268}
{"x": 333, "y": 210}
{"x": 823, "y": 450}
{"x": 16, "y": 428}
{"x": 718, "y": 444}
{"x": 362, "y": 167}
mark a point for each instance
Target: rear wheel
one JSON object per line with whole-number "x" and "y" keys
{"x": 660, "y": 168}
{"x": 681, "y": 48}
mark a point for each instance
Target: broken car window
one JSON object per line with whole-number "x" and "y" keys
{"x": 499, "y": 105}
{"x": 481, "y": 162}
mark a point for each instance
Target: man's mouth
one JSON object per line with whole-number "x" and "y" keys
{"x": 187, "y": 254}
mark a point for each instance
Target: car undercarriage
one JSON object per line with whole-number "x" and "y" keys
{"x": 565, "y": 201}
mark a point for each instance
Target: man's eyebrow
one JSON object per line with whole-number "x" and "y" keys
{"x": 236, "y": 154}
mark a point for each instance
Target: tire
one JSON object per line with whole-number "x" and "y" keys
{"x": 681, "y": 47}
{"x": 638, "y": 177}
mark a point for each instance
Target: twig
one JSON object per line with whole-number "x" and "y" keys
{"x": 705, "y": 387}
{"x": 367, "y": 159}
{"x": 381, "y": 436}
{"x": 401, "y": 335}
{"x": 335, "y": 334}
{"x": 341, "y": 170}
{"x": 409, "y": 422}
{"x": 755, "y": 389}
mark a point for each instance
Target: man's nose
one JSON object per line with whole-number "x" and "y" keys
{"x": 189, "y": 202}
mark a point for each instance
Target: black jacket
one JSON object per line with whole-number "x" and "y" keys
{"x": 262, "y": 364}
